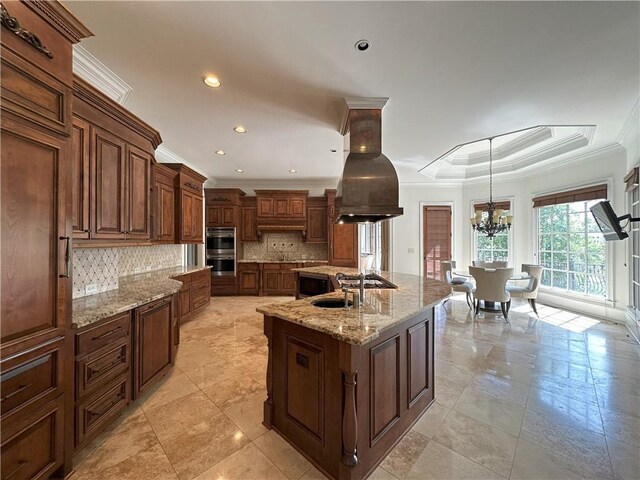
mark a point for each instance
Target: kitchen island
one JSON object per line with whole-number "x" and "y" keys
{"x": 344, "y": 386}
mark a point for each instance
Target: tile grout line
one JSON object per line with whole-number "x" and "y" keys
{"x": 160, "y": 443}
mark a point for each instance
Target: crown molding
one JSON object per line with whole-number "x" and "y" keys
{"x": 360, "y": 103}
{"x": 164, "y": 155}
{"x": 61, "y": 18}
{"x": 630, "y": 131}
{"x": 92, "y": 70}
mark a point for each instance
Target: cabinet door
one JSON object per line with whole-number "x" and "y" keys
{"x": 153, "y": 343}
{"x": 80, "y": 178}
{"x": 282, "y": 207}
{"x": 185, "y": 303}
{"x": 186, "y": 215}
{"x": 138, "y": 169}
{"x": 296, "y": 207}
{"x": 228, "y": 216}
{"x": 249, "y": 227}
{"x": 165, "y": 213}
{"x": 197, "y": 234}
{"x": 271, "y": 281}
{"x": 289, "y": 282}
{"x": 344, "y": 246}
{"x": 213, "y": 217}
{"x": 108, "y": 155}
{"x": 265, "y": 207}
{"x": 34, "y": 170}
{"x": 248, "y": 281}
{"x": 316, "y": 225}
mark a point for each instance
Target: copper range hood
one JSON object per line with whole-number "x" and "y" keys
{"x": 368, "y": 189}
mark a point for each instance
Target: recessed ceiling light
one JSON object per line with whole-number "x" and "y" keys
{"x": 333, "y": 150}
{"x": 212, "y": 81}
{"x": 221, "y": 152}
{"x": 362, "y": 45}
{"x": 239, "y": 170}
{"x": 240, "y": 129}
{"x": 293, "y": 170}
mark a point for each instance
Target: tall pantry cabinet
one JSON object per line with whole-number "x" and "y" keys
{"x": 35, "y": 253}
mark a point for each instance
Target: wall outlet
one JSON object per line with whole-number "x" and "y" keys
{"x": 412, "y": 250}
{"x": 90, "y": 289}
{"x": 137, "y": 270}
{"x": 149, "y": 267}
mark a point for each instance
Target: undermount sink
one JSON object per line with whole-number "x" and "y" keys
{"x": 330, "y": 303}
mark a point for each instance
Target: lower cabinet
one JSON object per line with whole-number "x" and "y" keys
{"x": 248, "y": 279}
{"x": 195, "y": 293}
{"x": 33, "y": 448}
{"x": 116, "y": 360}
{"x": 153, "y": 343}
{"x": 269, "y": 278}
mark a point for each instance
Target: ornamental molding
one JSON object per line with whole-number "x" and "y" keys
{"x": 89, "y": 68}
{"x": 13, "y": 24}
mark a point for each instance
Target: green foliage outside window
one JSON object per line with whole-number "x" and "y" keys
{"x": 571, "y": 249}
{"x": 492, "y": 249}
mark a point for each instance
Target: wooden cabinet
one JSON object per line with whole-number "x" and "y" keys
{"x": 221, "y": 286}
{"x": 80, "y": 178}
{"x": 189, "y": 204}
{"x": 103, "y": 375}
{"x": 248, "y": 278}
{"x": 278, "y": 279}
{"x": 35, "y": 228}
{"x": 343, "y": 248}
{"x": 112, "y": 160}
{"x": 195, "y": 293}
{"x": 249, "y": 220}
{"x": 164, "y": 205}
{"x": 153, "y": 343}
{"x": 317, "y": 220}
{"x": 223, "y": 207}
{"x": 283, "y": 204}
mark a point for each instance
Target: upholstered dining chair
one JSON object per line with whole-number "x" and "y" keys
{"x": 495, "y": 264}
{"x": 491, "y": 287}
{"x": 458, "y": 284}
{"x": 530, "y": 291}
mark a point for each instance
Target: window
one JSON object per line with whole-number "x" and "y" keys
{"x": 371, "y": 245}
{"x": 492, "y": 249}
{"x": 571, "y": 249}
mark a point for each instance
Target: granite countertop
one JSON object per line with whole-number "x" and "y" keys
{"x": 132, "y": 291}
{"x": 306, "y": 260}
{"x": 384, "y": 308}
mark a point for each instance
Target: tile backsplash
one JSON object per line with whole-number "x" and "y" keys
{"x": 274, "y": 244}
{"x": 99, "y": 268}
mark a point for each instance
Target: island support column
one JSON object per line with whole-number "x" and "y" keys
{"x": 268, "y": 403}
{"x": 348, "y": 362}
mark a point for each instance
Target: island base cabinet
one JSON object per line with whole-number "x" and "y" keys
{"x": 153, "y": 343}
{"x": 346, "y": 406}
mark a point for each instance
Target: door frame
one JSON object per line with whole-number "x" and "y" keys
{"x": 421, "y": 223}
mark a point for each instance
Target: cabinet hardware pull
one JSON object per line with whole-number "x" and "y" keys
{"x": 21, "y": 388}
{"x": 67, "y": 257}
{"x": 102, "y": 368}
{"x": 105, "y": 410}
{"x": 106, "y": 334}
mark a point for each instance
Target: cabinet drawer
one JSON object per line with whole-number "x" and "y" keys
{"x": 31, "y": 379}
{"x": 203, "y": 274}
{"x": 200, "y": 284}
{"x": 97, "y": 368}
{"x": 33, "y": 448}
{"x": 97, "y": 337}
{"x": 93, "y": 414}
{"x": 199, "y": 302}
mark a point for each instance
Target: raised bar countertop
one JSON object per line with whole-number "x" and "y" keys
{"x": 132, "y": 291}
{"x": 384, "y": 308}
{"x": 306, "y": 260}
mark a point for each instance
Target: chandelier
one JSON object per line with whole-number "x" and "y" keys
{"x": 496, "y": 220}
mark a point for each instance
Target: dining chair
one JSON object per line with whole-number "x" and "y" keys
{"x": 495, "y": 264}
{"x": 458, "y": 284}
{"x": 491, "y": 287}
{"x": 530, "y": 291}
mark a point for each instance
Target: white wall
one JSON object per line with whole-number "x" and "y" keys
{"x": 606, "y": 165}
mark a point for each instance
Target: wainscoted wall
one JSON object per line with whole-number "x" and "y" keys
{"x": 102, "y": 266}
{"x": 291, "y": 244}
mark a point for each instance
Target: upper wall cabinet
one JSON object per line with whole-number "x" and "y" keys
{"x": 164, "y": 200}
{"x": 112, "y": 158}
{"x": 189, "y": 204}
{"x": 282, "y": 204}
{"x": 223, "y": 207}
{"x": 317, "y": 220}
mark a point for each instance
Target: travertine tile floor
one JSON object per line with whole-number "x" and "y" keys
{"x": 555, "y": 398}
